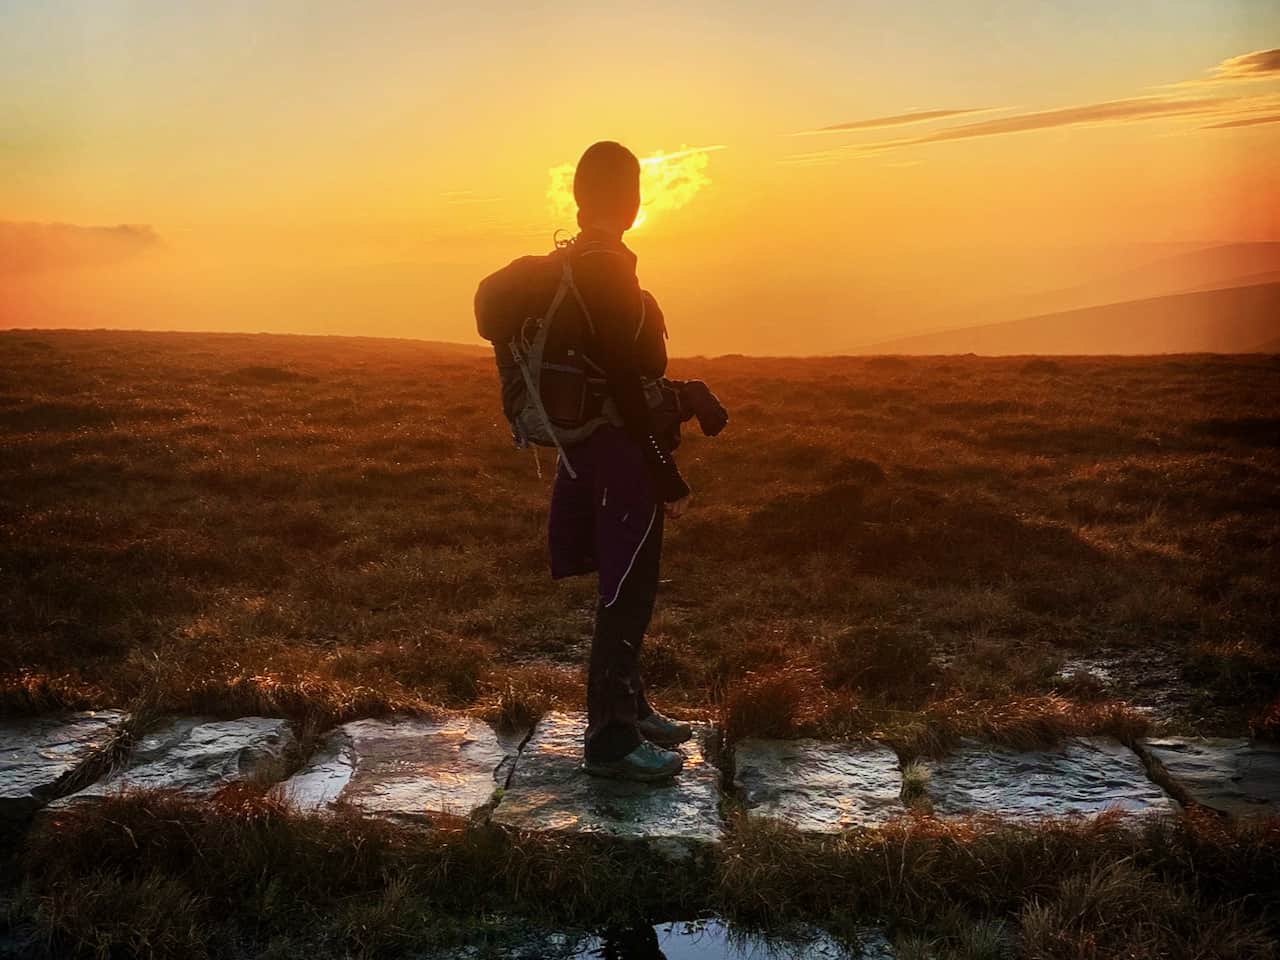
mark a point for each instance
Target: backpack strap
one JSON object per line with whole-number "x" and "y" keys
{"x": 540, "y": 338}
{"x": 577, "y": 295}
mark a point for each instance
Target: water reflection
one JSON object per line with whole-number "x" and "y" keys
{"x": 627, "y": 943}
{"x": 716, "y": 940}
{"x": 708, "y": 939}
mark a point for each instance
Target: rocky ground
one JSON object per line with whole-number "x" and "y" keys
{"x": 416, "y": 772}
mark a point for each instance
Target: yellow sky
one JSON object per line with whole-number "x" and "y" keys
{"x": 339, "y": 168}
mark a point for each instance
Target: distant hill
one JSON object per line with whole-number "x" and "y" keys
{"x": 1213, "y": 268}
{"x": 1231, "y": 320}
{"x": 1207, "y": 268}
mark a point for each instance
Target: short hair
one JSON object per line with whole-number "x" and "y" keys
{"x": 607, "y": 179}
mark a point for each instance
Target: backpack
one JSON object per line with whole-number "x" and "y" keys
{"x": 532, "y": 313}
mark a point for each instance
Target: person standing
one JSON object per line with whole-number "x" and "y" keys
{"x": 615, "y": 487}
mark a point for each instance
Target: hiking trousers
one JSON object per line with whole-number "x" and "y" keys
{"x": 615, "y": 691}
{"x": 606, "y": 519}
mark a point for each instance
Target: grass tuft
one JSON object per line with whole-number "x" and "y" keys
{"x": 781, "y": 702}
{"x": 915, "y": 785}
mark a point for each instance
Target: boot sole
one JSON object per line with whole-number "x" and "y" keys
{"x": 633, "y": 775}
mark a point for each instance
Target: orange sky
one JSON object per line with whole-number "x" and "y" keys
{"x": 877, "y": 169}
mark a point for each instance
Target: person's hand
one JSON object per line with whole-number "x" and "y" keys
{"x": 676, "y": 508}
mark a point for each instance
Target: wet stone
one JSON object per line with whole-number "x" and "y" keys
{"x": 1235, "y": 776}
{"x": 549, "y": 791}
{"x": 819, "y": 786}
{"x": 406, "y": 768}
{"x": 198, "y": 756}
{"x": 40, "y": 755}
{"x": 1081, "y": 776}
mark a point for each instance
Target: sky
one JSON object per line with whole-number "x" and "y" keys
{"x": 836, "y": 172}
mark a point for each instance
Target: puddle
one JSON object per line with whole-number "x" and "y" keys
{"x": 1151, "y": 679}
{"x": 680, "y": 940}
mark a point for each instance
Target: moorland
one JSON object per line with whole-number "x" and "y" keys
{"x": 916, "y": 548}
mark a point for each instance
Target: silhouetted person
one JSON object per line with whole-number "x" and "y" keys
{"x": 615, "y": 479}
{"x": 626, "y": 481}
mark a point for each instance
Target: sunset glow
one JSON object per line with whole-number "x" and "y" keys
{"x": 668, "y": 181}
{"x": 812, "y": 183}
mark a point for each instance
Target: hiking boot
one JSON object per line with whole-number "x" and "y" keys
{"x": 664, "y": 731}
{"x": 645, "y": 763}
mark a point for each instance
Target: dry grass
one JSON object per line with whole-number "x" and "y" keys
{"x": 334, "y": 527}
{"x": 150, "y": 875}
{"x": 156, "y": 875}
{"x": 1188, "y": 887}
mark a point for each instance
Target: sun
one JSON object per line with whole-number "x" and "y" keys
{"x": 668, "y": 181}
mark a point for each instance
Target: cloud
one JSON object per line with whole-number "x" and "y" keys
{"x": 918, "y": 116}
{"x": 34, "y": 247}
{"x": 1109, "y": 111}
{"x": 1131, "y": 110}
{"x": 1178, "y": 101}
{"x": 1258, "y": 65}
{"x": 1243, "y": 122}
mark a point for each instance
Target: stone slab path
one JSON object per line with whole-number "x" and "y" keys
{"x": 1236, "y": 777}
{"x": 548, "y": 791}
{"x": 1084, "y": 775}
{"x": 406, "y": 768}
{"x": 818, "y": 786}
{"x": 414, "y": 769}
{"x": 39, "y": 754}
{"x": 197, "y": 756}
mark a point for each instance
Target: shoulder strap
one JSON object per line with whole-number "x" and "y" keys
{"x": 566, "y": 281}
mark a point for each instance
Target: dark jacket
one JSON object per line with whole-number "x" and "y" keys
{"x": 629, "y": 343}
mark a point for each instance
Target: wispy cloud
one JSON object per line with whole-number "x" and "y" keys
{"x": 1243, "y": 122}
{"x": 1258, "y": 65}
{"x": 1108, "y": 111}
{"x": 918, "y": 116}
{"x": 1178, "y": 101}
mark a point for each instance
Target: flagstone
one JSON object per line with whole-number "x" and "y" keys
{"x": 1235, "y": 776}
{"x": 549, "y": 791}
{"x": 197, "y": 756}
{"x": 817, "y": 785}
{"x": 406, "y": 768}
{"x": 39, "y": 756}
{"x": 1081, "y": 776}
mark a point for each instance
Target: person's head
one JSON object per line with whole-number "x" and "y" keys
{"x": 606, "y": 186}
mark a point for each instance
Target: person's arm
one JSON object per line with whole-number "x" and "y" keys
{"x": 608, "y": 284}
{"x": 651, "y": 340}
